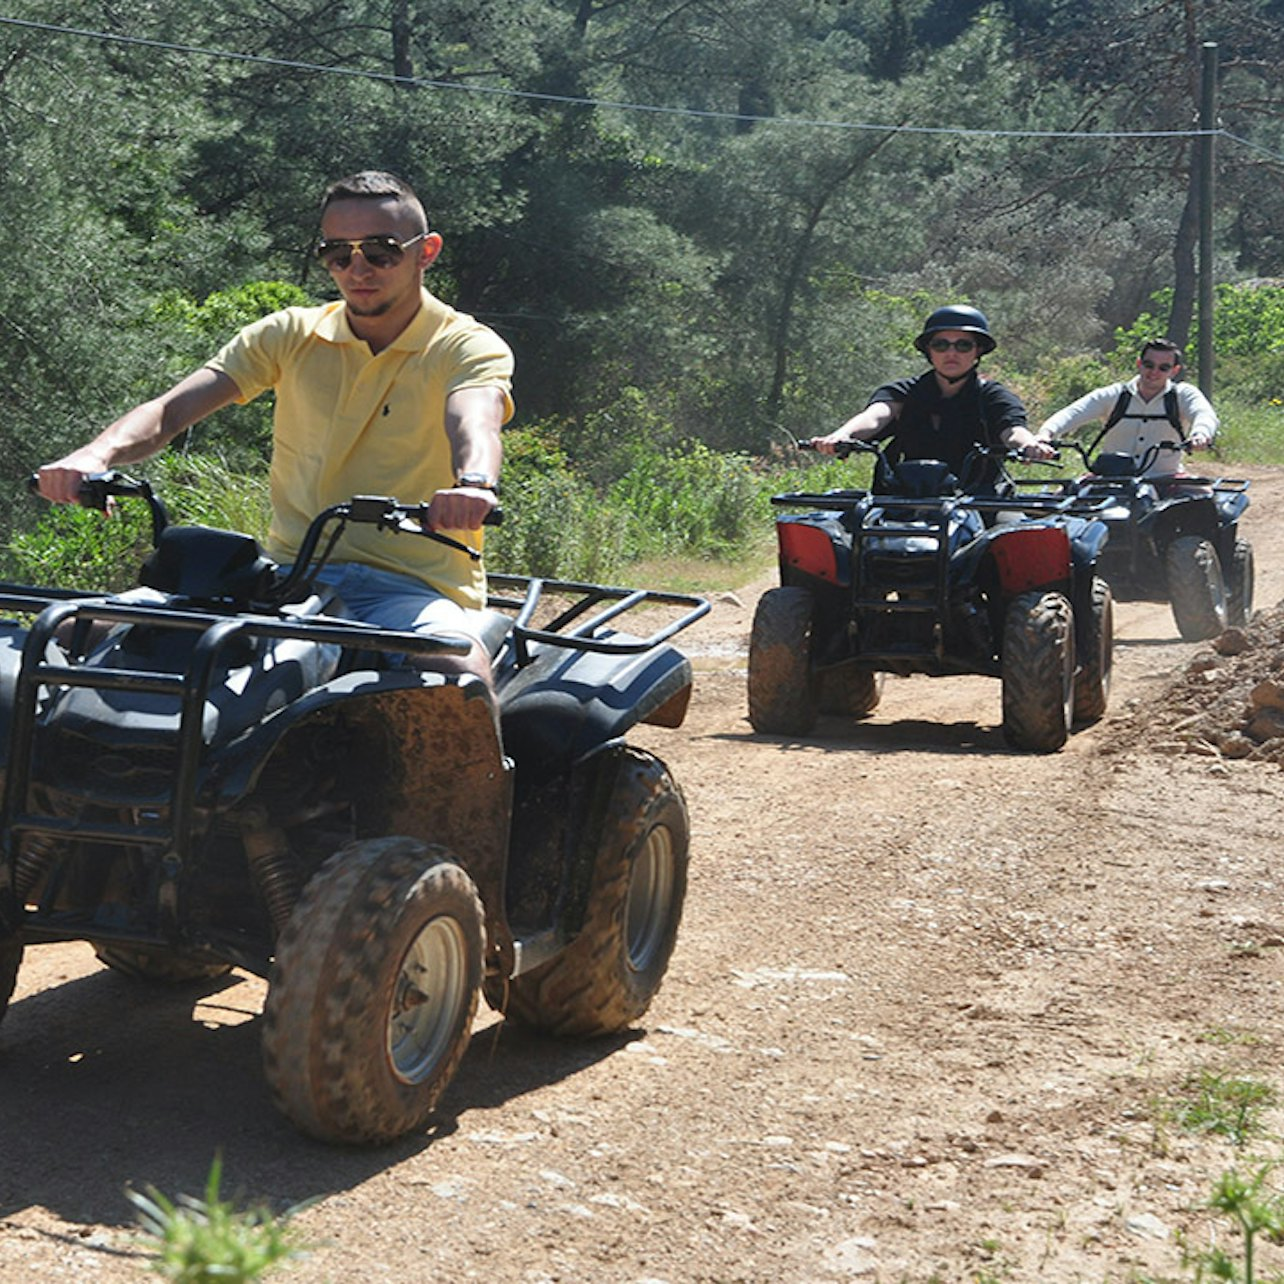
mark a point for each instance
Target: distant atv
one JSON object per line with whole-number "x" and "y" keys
{"x": 216, "y": 770}
{"x": 1172, "y": 539}
{"x": 916, "y": 576}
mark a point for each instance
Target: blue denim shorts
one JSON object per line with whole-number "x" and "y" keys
{"x": 394, "y": 601}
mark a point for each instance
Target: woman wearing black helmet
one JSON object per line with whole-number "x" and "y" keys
{"x": 947, "y": 411}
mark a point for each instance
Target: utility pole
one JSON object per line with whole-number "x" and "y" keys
{"x": 1207, "y": 124}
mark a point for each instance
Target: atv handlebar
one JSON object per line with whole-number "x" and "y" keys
{"x": 97, "y": 490}
{"x": 1139, "y": 466}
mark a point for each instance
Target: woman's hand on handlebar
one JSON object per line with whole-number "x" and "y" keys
{"x": 1039, "y": 449}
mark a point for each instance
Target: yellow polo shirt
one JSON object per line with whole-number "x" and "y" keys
{"x": 349, "y": 422}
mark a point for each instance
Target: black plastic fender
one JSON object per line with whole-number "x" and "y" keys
{"x": 1182, "y": 515}
{"x": 562, "y": 705}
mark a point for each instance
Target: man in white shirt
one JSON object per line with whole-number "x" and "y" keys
{"x": 1149, "y": 408}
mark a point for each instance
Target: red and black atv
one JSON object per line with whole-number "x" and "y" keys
{"x": 916, "y": 575}
{"x": 1173, "y": 538}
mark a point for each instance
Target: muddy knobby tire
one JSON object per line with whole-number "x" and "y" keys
{"x": 1239, "y": 584}
{"x": 1095, "y": 653}
{"x": 1195, "y": 588}
{"x": 158, "y": 966}
{"x": 372, "y": 996}
{"x": 10, "y": 961}
{"x": 606, "y": 978}
{"x": 782, "y": 687}
{"x": 1038, "y": 671}
{"x": 850, "y": 692}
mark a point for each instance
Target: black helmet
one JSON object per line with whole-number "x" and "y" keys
{"x": 958, "y": 316}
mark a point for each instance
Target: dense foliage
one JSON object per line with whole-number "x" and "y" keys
{"x": 702, "y": 226}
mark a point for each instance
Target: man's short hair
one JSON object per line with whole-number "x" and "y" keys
{"x": 374, "y": 185}
{"x": 1160, "y": 345}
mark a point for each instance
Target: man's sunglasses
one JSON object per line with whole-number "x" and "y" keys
{"x": 378, "y": 251}
{"x": 1165, "y": 366}
{"x": 959, "y": 345}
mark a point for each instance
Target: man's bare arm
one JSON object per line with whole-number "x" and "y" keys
{"x": 139, "y": 433}
{"x": 474, "y": 417}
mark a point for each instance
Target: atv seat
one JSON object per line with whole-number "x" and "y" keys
{"x": 494, "y": 631}
{"x": 914, "y": 478}
{"x": 208, "y": 564}
{"x": 1114, "y": 463}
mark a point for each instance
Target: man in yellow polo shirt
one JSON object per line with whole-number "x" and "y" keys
{"x": 387, "y": 392}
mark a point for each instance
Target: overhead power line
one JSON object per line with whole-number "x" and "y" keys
{"x": 572, "y": 101}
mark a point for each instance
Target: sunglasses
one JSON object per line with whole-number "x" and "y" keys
{"x": 959, "y": 345}
{"x": 1165, "y": 366}
{"x": 378, "y": 251}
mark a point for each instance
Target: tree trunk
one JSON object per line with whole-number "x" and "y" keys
{"x": 1184, "y": 271}
{"x": 402, "y": 67}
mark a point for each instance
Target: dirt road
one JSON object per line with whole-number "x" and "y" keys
{"x": 934, "y": 1009}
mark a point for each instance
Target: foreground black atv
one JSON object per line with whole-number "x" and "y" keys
{"x": 1171, "y": 540}
{"x": 916, "y": 576}
{"x": 211, "y": 771}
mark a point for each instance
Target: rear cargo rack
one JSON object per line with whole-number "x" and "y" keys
{"x": 525, "y": 595}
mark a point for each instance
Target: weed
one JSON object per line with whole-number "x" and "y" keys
{"x": 1255, "y": 1211}
{"x": 1223, "y": 1105}
{"x": 200, "y": 1241}
{"x": 1220, "y": 1036}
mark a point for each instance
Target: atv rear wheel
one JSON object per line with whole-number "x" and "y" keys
{"x": 372, "y": 997}
{"x": 10, "y": 960}
{"x": 158, "y": 966}
{"x": 1038, "y": 671}
{"x": 782, "y": 687}
{"x": 1195, "y": 588}
{"x": 850, "y": 692}
{"x": 1095, "y": 652}
{"x": 606, "y": 978}
{"x": 1239, "y": 584}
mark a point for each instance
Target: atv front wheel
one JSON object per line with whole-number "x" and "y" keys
{"x": 782, "y": 687}
{"x": 161, "y": 967}
{"x": 1095, "y": 651}
{"x": 10, "y": 959}
{"x": 1239, "y": 584}
{"x": 1196, "y": 588}
{"x": 606, "y": 978}
{"x": 850, "y": 692}
{"x": 1038, "y": 671}
{"x": 371, "y": 1000}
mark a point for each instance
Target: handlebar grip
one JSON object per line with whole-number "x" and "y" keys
{"x": 91, "y": 493}
{"x": 809, "y": 444}
{"x": 494, "y": 518}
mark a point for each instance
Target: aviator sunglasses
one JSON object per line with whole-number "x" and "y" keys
{"x": 959, "y": 345}
{"x": 1165, "y": 366}
{"x": 378, "y": 251}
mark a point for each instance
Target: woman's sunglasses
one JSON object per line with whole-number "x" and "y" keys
{"x": 378, "y": 251}
{"x": 959, "y": 345}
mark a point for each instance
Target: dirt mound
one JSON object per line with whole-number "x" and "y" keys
{"x": 1227, "y": 702}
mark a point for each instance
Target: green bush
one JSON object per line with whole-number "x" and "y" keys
{"x": 209, "y": 1241}
{"x": 73, "y": 547}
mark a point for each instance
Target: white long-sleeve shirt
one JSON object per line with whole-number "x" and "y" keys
{"x": 1144, "y": 422}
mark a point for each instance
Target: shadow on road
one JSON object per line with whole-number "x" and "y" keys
{"x": 907, "y": 735}
{"x": 107, "y": 1083}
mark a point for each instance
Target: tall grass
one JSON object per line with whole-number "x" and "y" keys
{"x": 73, "y": 547}
{"x": 655, "y": 505}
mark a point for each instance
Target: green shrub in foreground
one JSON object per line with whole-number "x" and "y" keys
{"x": 208, "y": 1241}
